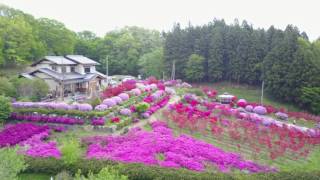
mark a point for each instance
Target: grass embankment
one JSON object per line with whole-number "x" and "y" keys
{"x": 250, "y": 93}
{"x": 253, "y": 94}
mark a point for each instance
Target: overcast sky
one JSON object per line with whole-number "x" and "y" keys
{"x": 101, "y": 16}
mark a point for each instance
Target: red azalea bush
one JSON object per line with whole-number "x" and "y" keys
{"x": 260, "y": 135}
{"x": 114, "y": 91}
{"x": 151, "y": 80}
{"x": 210, "y": 92}
{"x": 115, "y": 119}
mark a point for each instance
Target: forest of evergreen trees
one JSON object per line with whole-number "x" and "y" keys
{"x": 285, "y": 60}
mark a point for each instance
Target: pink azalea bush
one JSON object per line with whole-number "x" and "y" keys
{"x": 249, "y": 108}
{"x": 101, "y": 107}
{"x": 125, "y": 112}
{"x": 124, "y": 96}
{"x": 52, "y": 105}
{"x": 282, "y": 115}
{"x": 260, "y": 110}
{"x": 117, "y": 99}
{"x": 139, "y": 146}
{"x": 136, "y": 92}
{"x": 109, "y": 102}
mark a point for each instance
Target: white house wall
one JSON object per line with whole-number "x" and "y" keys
{"x": 44, "y": 64}
{"x": 53, "y": 85}
{"x": 92, "y": 69}
{"x": 80, "y": 69}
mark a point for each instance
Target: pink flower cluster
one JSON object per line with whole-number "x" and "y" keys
{"x": 139, "y": 146}
{"x": 14, "y": 134}
{"x": 53, "y": 105}
{"x": 36, "y": 147}
{"x": 158, "y": 105}
{"x": 47, "y": 119}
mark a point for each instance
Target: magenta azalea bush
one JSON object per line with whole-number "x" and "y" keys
{"x": 47, "y": 119}
{"x": 36, "y": 147}
{"x": 14, "y": 134}
{"x": 242, "y": 103}
{"x": 98, "y": 121}
{"x": 139, "y": 146}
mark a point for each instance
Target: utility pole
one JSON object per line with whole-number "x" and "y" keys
{"x": 173, "y": 71}
{"x": 62, "y": 81}
{"x": 162, "y": 76}
{"x": 107, "y": 68}
{"x": 262, "y": 89}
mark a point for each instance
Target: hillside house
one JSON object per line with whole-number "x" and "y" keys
{"x": 67, "y": 74}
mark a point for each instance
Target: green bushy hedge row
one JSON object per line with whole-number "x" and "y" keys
{"x": 142, "y": 172}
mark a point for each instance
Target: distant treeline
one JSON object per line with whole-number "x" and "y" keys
{"x": 24, "y": 39}
{"x": 286, "y": 61}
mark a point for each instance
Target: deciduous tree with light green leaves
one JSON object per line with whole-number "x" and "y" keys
{"x": 195, "y": 71}
{"x": 5, "y": 109}
{"x": 11, "y": 163}
{"x": 151, "y": 64}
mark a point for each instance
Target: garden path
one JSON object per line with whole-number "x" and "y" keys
{"x": 152, "y": 118}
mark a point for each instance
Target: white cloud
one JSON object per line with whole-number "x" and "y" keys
{"x": 101, "y": 16}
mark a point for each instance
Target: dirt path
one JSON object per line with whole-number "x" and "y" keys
{"x": 152, "y": 118}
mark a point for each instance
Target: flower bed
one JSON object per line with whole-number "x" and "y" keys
{"x": 52, "y": 105}
{"x": 14, "y": 134}
{"x": 36, "y": 147}
{"x": 47, "y": 119}
{"x": 179, "y": 152}
{"x": 261, "y": 134}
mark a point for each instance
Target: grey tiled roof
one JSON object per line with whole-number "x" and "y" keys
{"x": 59, "y": 60}
{"x": 74, "y": 77}
{"x": 81, "y": 59}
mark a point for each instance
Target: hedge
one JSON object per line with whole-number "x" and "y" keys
{"x": 142, "y": 172}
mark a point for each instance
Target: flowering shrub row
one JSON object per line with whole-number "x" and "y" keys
{"x": 13, "y": 134}
{"x": 53, "y": 105}
{"x": 260, "y": 133}
{"x": 47, "y": 119}
{"x": 179, "y": 152}
{"x": 114, "y": 91}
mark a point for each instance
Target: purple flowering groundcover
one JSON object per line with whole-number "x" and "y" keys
{"x": 139, "y": 146}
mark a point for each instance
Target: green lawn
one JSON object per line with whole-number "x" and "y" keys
{"x": 250, "y": 93}
{"x": 34, "y": 176}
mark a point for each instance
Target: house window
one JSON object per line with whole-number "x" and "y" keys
{"x": 87, "y": 69}
{"x": 54, "y": 68}
{"x": 63, "y": 69}
{"x": 72, "y": 69}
